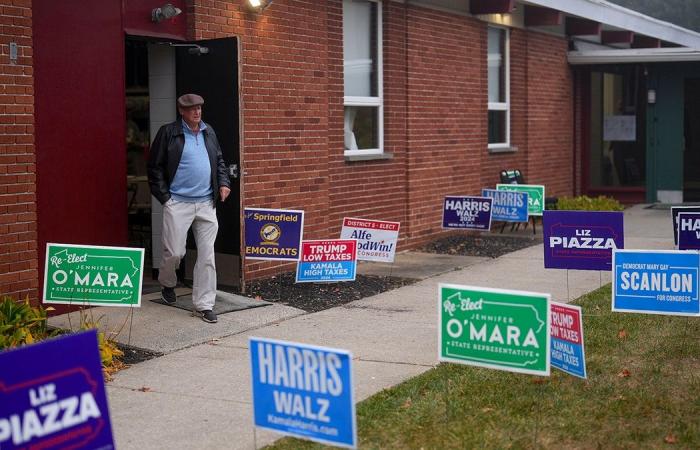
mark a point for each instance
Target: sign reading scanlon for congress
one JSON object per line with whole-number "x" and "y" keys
{"x": 273, "y": 234}
{"x": 304, "y": 391}
{"x": 656, "y": 282}
{"x": 494, "y": 328}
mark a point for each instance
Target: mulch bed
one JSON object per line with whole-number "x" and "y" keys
{"x": 135, "y": 355}
{"x": 489, "y": 245}
{"x": 313, "y": 297}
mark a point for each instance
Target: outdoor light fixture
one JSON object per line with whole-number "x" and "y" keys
{"x": 192, "y": 49}
{"x": 258, "y": 5}
{"x": 167, "y": 11}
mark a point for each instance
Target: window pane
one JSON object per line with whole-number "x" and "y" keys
{"x": 360, "y": 48}
{"x": 497, "y": 127}
{"x": 361, "y": 128}
{"x": 496, "y": 65}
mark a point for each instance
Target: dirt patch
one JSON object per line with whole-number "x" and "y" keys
{"x": 488, "y": 245}
{"x": 135, "y": 355}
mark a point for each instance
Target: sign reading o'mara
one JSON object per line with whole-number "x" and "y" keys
{"x": 494, "y": 328}
{"x": 92, "y": 275}
{"x": 656, "y": 282}
{"x": 273, "y": 234}
{"x": 535, "y": 194}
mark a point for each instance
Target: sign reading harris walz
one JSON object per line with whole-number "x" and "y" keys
{"x": 327, "y": 260}
{"x": 303, "y": 391}
{"x": 52, "y": 395}
{"x": 92, "y": 275}
{"x": 273, "y": 234}
{"x": 582, "y": 240}
{"x": 376, "y": 239}
{"x": 494, "y": 328}
{"x": 688, "y": 231}
{"x": 656, "y": 282}
{"x": 675, "y": 210}
{"x": 508, "y": 206}
{"x": 467, "y": 213}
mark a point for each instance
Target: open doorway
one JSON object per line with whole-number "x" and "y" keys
{"x": 157, "y": 73}
{"x": 691, "y": 134}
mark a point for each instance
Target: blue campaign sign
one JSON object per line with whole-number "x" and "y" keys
{"x": 581, "y": 240}
{"x": 52, "y": 395}
{"x": 675, "y": 210}
{"x": 566, "y": 333}
{"x": 656, "y": 282}
{"x": 688, "y": 231}
{"x": 304, "y": 391}
{"x": 508, "y": 206}
{"x": 467, "y": 213}
{"x": 273, "y": 234}
{"x": 327, "y": 261}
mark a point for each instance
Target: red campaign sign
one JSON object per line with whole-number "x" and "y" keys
{"x": 332, "y": 250}
{"x": 566, "y": 324}
{"x": 371, "y": 224}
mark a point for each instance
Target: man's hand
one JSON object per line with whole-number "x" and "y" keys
{"x": 223, "y": 193}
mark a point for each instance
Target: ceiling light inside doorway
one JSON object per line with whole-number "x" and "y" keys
{"x": 259, "y": 5}
{"x": 167, "y": 11}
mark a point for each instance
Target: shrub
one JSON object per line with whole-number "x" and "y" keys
{"x": 585, "y": 203}
{"x": 21, "y": 323}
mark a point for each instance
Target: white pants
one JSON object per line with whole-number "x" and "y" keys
{"x": 177, "y": 219}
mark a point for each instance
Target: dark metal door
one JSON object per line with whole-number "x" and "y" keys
{"x": 210, "y": 68}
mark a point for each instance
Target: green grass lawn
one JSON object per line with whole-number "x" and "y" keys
{"x": 643, "y": 391}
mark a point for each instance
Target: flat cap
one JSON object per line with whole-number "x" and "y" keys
{"x": 189, "y": 100}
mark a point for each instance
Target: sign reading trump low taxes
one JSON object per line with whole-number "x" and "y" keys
{"x": 508, "y": 206}
{"x": 675, "y": 210}
{"x": 273, "y": 234}
{"x": 52, "y": 396}
{"x": 567, "y": 339}
{"x": 494, "y": 328}
{"x": 535, "y": 195}
{"x": 376, "y": 239}
{"x": 467, "y": 213}
{"x": 656, "y": 282}
{"x": 91, "y": 275}
{"x": 582, "y": 240}
{"x": 688, "y": 231}
{"x": 327, "y": 260}
{"x": 303, "y": 391}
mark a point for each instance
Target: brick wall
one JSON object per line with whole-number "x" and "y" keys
{"x": 18, "y": 253}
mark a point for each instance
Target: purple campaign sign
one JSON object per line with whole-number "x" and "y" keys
{"x": 675, "y": 210}
{"x": 273, "y": 234}
{"x": 582, "y": 240}
{"x": 688, "y": 231}
{"x": 467, "y": 213}
{"x": 52, "y": 395}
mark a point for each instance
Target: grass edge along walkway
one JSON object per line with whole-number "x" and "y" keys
{"x": 643, "y": 391}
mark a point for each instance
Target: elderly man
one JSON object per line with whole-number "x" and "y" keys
{"x": 187, "y": 175}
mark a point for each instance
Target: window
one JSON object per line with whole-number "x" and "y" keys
{"x": 362, "y": 62}
{"x": 499, "y": 88}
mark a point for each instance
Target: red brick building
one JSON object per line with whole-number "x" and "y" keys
{"x": 374, "y": 109}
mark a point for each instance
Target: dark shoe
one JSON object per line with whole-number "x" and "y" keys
{"x": 208, "y": 316}
{"x": 168, "y": 295}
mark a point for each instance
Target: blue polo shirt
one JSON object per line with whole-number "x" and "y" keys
{"x": 192, "y": 180}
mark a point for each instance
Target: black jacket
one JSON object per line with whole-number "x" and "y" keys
{"x": 165, "y": 155}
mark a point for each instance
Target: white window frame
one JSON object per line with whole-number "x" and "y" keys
{"x": 377, "y": 101}
{"x": 502, "y": 106}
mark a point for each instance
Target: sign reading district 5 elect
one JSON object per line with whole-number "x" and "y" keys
{"x": 535, "y": 195}
{"x": 273, "y": 234}
{"x": 303, "y": 391}
{"x": 494, "y": 328}
{"x": 90, "y": 275}
{"x": 656, "y": 282}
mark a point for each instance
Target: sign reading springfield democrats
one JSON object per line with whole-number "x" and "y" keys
{"x": 656, "y": 282}
{"x": 54, "y": 396}
{"x": 494, "y": 328}
{"x": 273, "y": 234}
{"x": 376, "y": 239}
{"x": 582, "y": 240}
{"x": 304, "y": 391}
{"x": 86, "y": 274}
{"x": 468, "y": 213}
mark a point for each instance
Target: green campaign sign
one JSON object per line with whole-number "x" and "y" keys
{"x": 94, "y": 276}
{"x": 535, "y": 196}
{"x": 494, "y": 328}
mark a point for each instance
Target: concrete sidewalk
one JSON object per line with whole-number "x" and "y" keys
{"x": 199, "y": 396}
